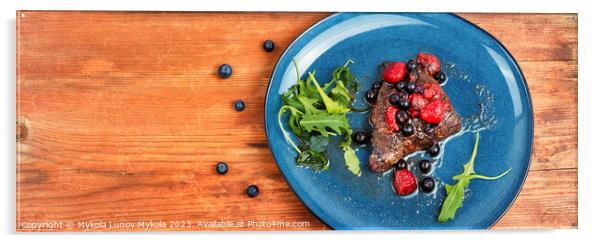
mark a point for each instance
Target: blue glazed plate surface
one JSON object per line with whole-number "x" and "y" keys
{"x": 484, "y": 83}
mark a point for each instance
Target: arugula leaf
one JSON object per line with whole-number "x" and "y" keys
{"x": 341, "y": 94}
{"x": 344, "y": 74}
{"x": 333, "y": 107}
{"x": 309, "y": 105}
{"x": 455, "y": 193}
{"x": 453, "y": 201}
{"x": 280, "y": 113}
{"x": 293, "y": 123}
{"x": 318, "y": 143}
{"x": 311, "y": 159}
{"x": 318, "y": 112}
{"x": 325, "y": 123}
{"x": 289, "y": 100}
{"x": 351, "y": 160}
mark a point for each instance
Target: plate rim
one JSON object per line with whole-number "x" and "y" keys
{"x": 497, "y": 41}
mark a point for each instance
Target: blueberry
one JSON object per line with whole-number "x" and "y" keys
{"x": 419, "y": 89}
{"x": 407, "y": 129}
{"x": 394, "y": 99}
{"x": 404, "y": 103}
{"x": 427, "y": 185}
{"x": 403, "y": 95}
{"x": 424, "y": 166}
{"x": 361, "y": 137}
{"x": 252, "y": 191}
{"x": 411, "y": 87}
{"x": 222, "y": 168}
{"x": 401, "y": 164}
{"x": 434, "y": 150}
{"x": 371, "y": 96}
{"x": 429, "y": 128}
{"x": 411, "y": 65}
{"x": 402, "y": 117}
{"x": 269, "y": 45}
{"x": 239, "y": 105}
{"x": 224, "y": 71}
{"x": 400, "y": 86}
{"x": 377, "y": 85}
{"x": 441, "y": 77}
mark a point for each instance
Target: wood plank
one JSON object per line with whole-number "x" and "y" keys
{"x": 547, "y": 200}
{"x": 553, "y": 87}
{"x": 122, "y": 118}
{"x": 156, "y": 127}
{"x": 532, "y": 37}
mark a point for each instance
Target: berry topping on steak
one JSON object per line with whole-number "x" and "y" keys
{"x": 413, "y": 114}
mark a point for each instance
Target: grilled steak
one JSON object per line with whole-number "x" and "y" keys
{"x": 389, "y": 145}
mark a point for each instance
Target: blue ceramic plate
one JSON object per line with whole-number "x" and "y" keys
{"x": 486, "y": 87}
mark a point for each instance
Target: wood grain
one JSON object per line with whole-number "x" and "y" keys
{"x": 121, "y": 118}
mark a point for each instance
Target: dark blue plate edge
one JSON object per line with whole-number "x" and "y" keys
{"x": 265, "y": 115}
{"x": 514, "y": 62}
{"x": 522, "y": 75}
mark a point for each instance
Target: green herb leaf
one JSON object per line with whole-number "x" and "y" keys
{"x": 482, "y": 177}
{"x": 318, "y": 112}
{"x": 351, "y": 160}
{"x": 344, "y": 74}
{"x": 455, "y": 193}
{"x": 311, "y": 159}
{"x": 325, "y": 124}
{"x": 318, "y": 143}
{"x": 309, "y": 105}
{"x": 341, "y": 94}
{"x": 333, "y": 107}
{"x": 280, "y": 113}
{"x": 290, "y": 100}
{"x": 453, "y": 201}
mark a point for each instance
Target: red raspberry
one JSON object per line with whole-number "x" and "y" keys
{"x": 433, "y": 112}
{"x": 413, "y": 113}
{"x": 404, "y": 182}
{"x": 432, "y": 91}
{"x": 390, "y": 118}
{"x": 394, "y": 72}
{"x": 412, "y": 77}
{"x": 429, "y": 62}
{"x": 418, "y": 101}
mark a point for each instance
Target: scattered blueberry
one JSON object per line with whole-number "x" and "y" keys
{"x": 401, "y": 164}
{"x": 424, "y": 166}
{"x": 407, "y": 129}
{"x": 400, "y": 86}
{"x": 252, "y": 191}
{"x": 239, "y": 105}
{"x": 371, "y": 96}
{"x": 224, "y": 71}
{"x": 427, "y": 185}
{"x": 268, "y": 45}
{"x": 222, "y": 168}
{"x": 402, "y": 117}
{"x": 434, "y": 150}
{"x": 361, "y": 137}
{"x": 411, "y": 65}
{"x": 441, "y": 77}
{"x": 410, "y": 87}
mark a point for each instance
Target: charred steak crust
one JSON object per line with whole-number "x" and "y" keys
{"x": 389, "y": 147}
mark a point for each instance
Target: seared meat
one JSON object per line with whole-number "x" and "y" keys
{"x": 388, "y": 146}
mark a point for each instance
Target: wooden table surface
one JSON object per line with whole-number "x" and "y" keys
{"x": 122, "y": 118}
